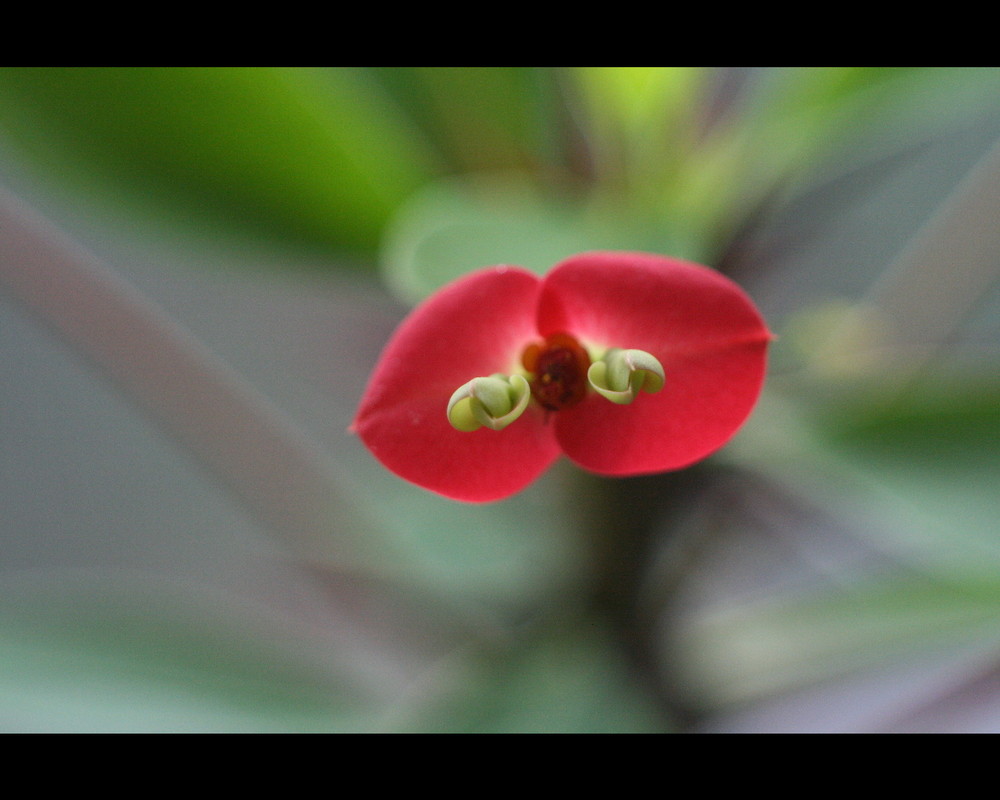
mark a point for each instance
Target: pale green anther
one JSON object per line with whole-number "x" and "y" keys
{"x": 492, "y": 402}
{"x": 621, "y": 374}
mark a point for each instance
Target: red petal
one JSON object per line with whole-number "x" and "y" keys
{"x": 472, "y": 328}
{"x": 702, "y": 327}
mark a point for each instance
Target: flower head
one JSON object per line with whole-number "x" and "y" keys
{"x": 627, "y": 363}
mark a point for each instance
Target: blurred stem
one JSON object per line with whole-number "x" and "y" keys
{"x": 626, "y": 521}
{"x": 269, "y": 463}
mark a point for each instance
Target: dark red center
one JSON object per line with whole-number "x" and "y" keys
{"x": 559, "y": 371}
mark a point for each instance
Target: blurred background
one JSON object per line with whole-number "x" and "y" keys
{"x": 199, "y": 268}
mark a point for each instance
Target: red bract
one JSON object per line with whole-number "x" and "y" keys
{"x": 701, "y": 327}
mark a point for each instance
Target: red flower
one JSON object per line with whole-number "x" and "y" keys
{"x": 690, "y": 370}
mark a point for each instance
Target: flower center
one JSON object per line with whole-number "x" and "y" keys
{"x": 559, "y": 371}
{"x": 559, "y": 375}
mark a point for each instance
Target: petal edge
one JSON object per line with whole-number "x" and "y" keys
{"x": 702, "y": 327}
{"x": 474, "y": 327}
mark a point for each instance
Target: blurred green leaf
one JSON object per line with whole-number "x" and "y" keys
{"x": 315, "y": 156}
{"x": 502, "y": 560}
{"x": 141, "y": 661}
{"x": 640, "y": 122}
{"x": 480, "y": 118}
{"x": 572, "y": 681}
{"x": 793, "y": 116}
{"x": 915, "y": 475}
{"x": 912, "y": 480}
{"x": 737, "y": 653}
{"x": 790, "y": 127}
{"x": 455, "y": 226}
{"x": 452, "y": 228}
{"x": 932, "y": 459}
{"x": 954, "y": 424}
{"x": 639, "y": 101}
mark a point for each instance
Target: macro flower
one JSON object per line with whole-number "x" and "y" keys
{"x": 626, "y": 363}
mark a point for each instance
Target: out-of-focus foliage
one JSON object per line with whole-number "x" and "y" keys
{"x": 835, "y": 568}
{"x": 314, "y": 156}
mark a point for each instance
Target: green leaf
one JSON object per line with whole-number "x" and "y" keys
{"x": 791, "y": 127}
{"x": 311, "y": 156}
{"x": 640, "y": 120}
{"x": 479, "y": 118}
{"x": 573, "y": 681}
{"x": 913, "y": 480}
{"x": 799, "y": 114}
{"x": 455, "y": 226}
{"x": 736, "y": 653}
{"x": 932, "y": 456}
{"x": 91, "y": 659}
{"x": 502, "y": 559}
